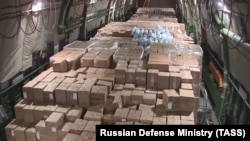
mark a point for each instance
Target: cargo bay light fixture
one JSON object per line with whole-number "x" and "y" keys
{"x": 37, "y": 5}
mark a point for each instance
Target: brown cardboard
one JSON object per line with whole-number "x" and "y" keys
{"x": 72, "y": 94}
{"x": 76, "y": 128}
{"x": 171, "y": 100}
{"x": 110, "y": 108}
{"x": 125, "y": 123}
{"x": 69, "y": 80}
{"x": 107, "y": 119}
{"x": 91, "y": 70}
{"x": 87, "y": 135}
{"x": 163, "y": 80}
{"x": 141, "y": 77}
{"x": 41, "y": 130}
{"x": 149, "y": 99}
{"x": 28, "y": 112}
{"x": 187, "y": 100}
{"x": 129, "y": 86}
{"x": 74, "y": 114}
{"x": 38, "y": 92}
{"x": 118, "y": 87}
{"x": 28, "y": 90}
{"x": 81, "y": 121}
{"x": 126, "y": 97}
{"x": 140, "y": 88}
{"x": 196, "y": 74}
{"x": 71, "y": 74}
{"x": 20, "y": 131}
{"x": 186, "y": 78}
{"x": 9, "y": 129}
{"x": 81, "y": 70}
{"x": 121, "y": 114}
{"x": 55, "y": 120}
{"x": 187, "y": 116}
{"x": 174, "y": 81}
{"x": 105, "y": 83}
{"x": 38, "y": 113}
{"x": 130, "y": 76}
{"x": 152, "y": 78}
{"x": 48, "y": 93}
{"x": 175, "y": 69}
{"x": 98, "y": 95}
{"x": 97, "y": 108}
{"x": 186, "y": 86}
{"x": 187, "y": 122}
{"x": 49, "y": 109}
{"x": 160, "y": 111}
{"x": 58, "y": 80}
{"x": 18, "y": 108}
{"x": 93, "y": 116}
{"x": 100, "y": 71}
{"x": 91, "y": 126}
{"x": 63, "y": 109}
{"x": 84, "y": 92}
{"x": 159, "y": 121}
{"x": 87, "y": 61}
{"x": 63, "y": 130}
{"x": 137, "y": 97}
{"x": 134, "y": 115}
{"x": 70, "y": 137}
{"x": 30, "y": 134}
{"x": 60, "y": 65}
{"x": 102, "y": 61}
{"x": 160, "y": 94}
{"x": 144, "y": 107}
{"x": 173, "y": 121}
{"x": 110, "y": 71}
{"x": 120, "y": 75}
{"x": 50, "y": 77}
{"x": 60, "y": 93}
{"x": 147, "y": 117}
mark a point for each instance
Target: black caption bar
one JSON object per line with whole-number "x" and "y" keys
{"x": 206, "y": 132}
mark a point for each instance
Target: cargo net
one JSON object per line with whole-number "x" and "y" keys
{"x": 146, "y": 37}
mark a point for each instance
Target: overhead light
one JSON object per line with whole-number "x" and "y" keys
{"x": 37, "y": 5}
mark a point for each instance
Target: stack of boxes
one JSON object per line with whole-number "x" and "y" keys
{"x": 87, "y": 86}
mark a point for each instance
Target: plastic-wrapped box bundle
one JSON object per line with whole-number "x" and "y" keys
{"x": 128, "y": 53}
{"x": 188, "y": 57}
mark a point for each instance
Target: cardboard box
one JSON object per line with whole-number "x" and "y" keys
{"x": 72, "y": 94}
{"x": 144, "y": 107}
{"x": 28, "y": 112}
{"x": 63, "y": 130}
{"x": 30, "y": 134}
{"x": 91, "y": 70}
{"x": 126, "y": 97}
{"x": 121, "y": 114}
{"x": 160, "y": 94}
{"x": 93, "y": 116}
{"x": 84, "y": 92}
{"x": 74, "y": 114}
{"x": 48, "y": 93}
{"x": 63, "y": 109}
{"x": 140, "y": 88}
{"x": 160, "y": 111}
{"x": 118, "y": 87}
{"x": 19, "y": 131}
{"x": 137, "y": 97}
{"x": 91, "y": 126}
{"x": 98, "y": 95}
{"x": 152, "y": 78}
{"x": 187, "y": 100}
{"x": 141, "y": 77}
{"x": 54, "y": 121}
{"x": 40, "y": 129}
{"x": 159, "y": 121}
{"x": 175, "y": 69}
{"x": 39, "y": 113}
{"x": 70, "y": 137}
{"x": 60, "y": 93}
{"x": 9, "y": 129}
{"x": 171, "y": 100}
{"x": 102, "y": 61}
{"x": 134, "y": 115}
{"x": 129, "y": 86}
{"x": 60, "y": 65}
{"x": 107, "y": 119}
{"x": 50, "y": 77}
{"x": 76, "y": 128}
{"x": 58, "y": 80}
{"x": 69, "y": 80}
{"x": 186, "y": 86}
{"x": 163, "y": 80}
{"x": 130, "y": 76}
{"x": 71, "y": 74}
{"x": 87, "y": 60}
{"x": 149, "y": 99}
{"x": 100, "y": 70}
{"x": 105, "y": 83}
{"x": 48, "y": 110}
{"x": 28, "y": 90}
{"x": 174, "y": 81}
{"x": 186, "y": 78}
{"x": 147, "y": 117}
{"x": 38, "y": 92}
{"x": 196, "y": 74}
{"x": 125, "y": 123}
{"x": 87, "y": 135}
{"x": 18, "y": 108}
{"x": 173, "y": 121}
{"x": 81, "y": 70}
{"x": 110, "y": 108}
{"x": 120, "y": 75}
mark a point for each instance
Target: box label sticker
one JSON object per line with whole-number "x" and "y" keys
{"x": 51, "y": 96}
{"x": 25, "y": 95}
{"x": 38, "y": 135}
{"x": 170, "y": 104}
{"x": 75, "y": 96}
{"x": 12, "y": 133}
{"x": 53, "y": 129}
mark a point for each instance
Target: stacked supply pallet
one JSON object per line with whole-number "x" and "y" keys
{"x": 106, "y": 81}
